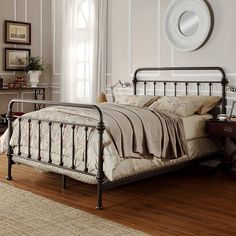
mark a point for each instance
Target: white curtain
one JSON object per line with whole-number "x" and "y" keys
{"x": 83, "y": 20}
{"x": 100, "y": 53}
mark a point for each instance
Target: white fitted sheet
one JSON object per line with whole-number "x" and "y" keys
{"x": 195, "y": 126}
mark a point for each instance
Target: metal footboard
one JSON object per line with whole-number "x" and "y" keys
{"x": 100, "y": 129}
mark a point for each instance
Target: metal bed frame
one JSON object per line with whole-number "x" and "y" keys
{"x": 100, "y": 127}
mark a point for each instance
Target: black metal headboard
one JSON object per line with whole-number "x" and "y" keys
{"x": 223, "y": 81}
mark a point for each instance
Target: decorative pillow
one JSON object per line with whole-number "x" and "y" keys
{"x": 177, "y": 105}
{"x": 136, "y": 100}
{"x": 206, "y": 103}
{"x": 101, "y": 98}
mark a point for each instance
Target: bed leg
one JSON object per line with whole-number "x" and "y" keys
{"x": 63, "y": 182}
{"x": 9, "y": 149}
{"x": 99, "y": 195}
{"x": 9, "y": 176}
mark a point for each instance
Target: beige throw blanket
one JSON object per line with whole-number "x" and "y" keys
{"x": 142, "y": 131}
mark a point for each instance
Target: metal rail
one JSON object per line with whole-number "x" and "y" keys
{"x": 223, "y": 81}
{"x": 100, "y": 129}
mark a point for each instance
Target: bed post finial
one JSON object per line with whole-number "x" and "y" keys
{"x": 224, "y": 82}
{"x": 135, "y": 81}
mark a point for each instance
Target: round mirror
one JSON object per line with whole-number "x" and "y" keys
{"x": 188, "y": 23}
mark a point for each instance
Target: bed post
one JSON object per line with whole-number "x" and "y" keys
{"x": 9, "y": 149}
{"x": 224, "y": 82}
{"x": 100, "y": 173}
{"x": 135, "y": 81}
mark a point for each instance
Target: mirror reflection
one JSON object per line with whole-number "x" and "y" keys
{"x": 188, "y": 23}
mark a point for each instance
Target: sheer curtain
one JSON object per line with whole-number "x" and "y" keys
{"x": 83, "y": 50}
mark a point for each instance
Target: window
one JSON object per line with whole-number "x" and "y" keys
{"x": 84, "y": 50}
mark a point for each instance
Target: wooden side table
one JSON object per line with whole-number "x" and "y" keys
{"x": 219, "y": 131}
{"x": 39, "y": 94}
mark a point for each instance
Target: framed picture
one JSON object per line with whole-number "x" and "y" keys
{"x": 16, "y": 58}
{"x": 17, "y": 32}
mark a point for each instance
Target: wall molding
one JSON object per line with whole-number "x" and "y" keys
{"x": 7, "y": 74}
{"x": 54, "y": 39}
{"x": 14, "y": 18}
{"x": 15, "y": 10}
{"x": 26, "y": 20}
{"x": 109, "y": 79}
{"x": 130, "y": 51}
{"x": 187, "y": 74}
{"x": 17, "y": 95}
{"x": 26, "y": 10}
{"x": 41, "y": 28}
{"x": 55, "y": 85}
{"x": 45, "y": 85}
{"x": 130, "y": 61}
{"x": 22, "y": 97}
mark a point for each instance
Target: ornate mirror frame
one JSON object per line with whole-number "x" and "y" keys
{"x": 188, "y": 24}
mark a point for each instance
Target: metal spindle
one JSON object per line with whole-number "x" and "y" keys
{"x": 198, "y": 89}
{"x": 19, "y": 137}
{"x": 210, "y": 89}
{"x": 61, "y": 145}
{"x": 145, "y": 88}
{"x": 175, "y": 84}
{"x": 86, "y": 150}
{"x": 50, "y": 143}
{"x": 73, "y": 147}
{"x": 39, "y": 141}
{"x": 164, "y": 88}
{"x": 29, "y": 138}
{"x": 186, "y": 88}
{"x": 154, "y": 87}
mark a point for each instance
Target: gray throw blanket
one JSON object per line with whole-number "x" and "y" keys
{"x": 141, "y": 131}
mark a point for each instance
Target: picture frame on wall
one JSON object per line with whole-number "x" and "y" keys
{"x": 16, "y": 58}
{"x": 17, "y": 32}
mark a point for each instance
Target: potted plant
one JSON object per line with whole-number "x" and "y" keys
{"x": 34, "y": 69}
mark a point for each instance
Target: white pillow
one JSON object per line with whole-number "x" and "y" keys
{"x": 176, "y": 105}
{"x": 206, "y": 103}
{"x": 136, "y": 100}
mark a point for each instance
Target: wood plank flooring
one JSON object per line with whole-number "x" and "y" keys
{"x": 187, "y": 202}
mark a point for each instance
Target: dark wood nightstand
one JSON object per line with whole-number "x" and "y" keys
{"x": 219, "y": 131}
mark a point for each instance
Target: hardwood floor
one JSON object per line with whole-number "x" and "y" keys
{"x": 187, "y": 202}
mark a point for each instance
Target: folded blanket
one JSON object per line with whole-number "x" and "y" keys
{"x": 146, "y": 132}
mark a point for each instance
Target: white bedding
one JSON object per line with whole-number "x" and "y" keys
{"x": 114, "y": 167}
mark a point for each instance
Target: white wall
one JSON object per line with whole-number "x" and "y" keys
{"x": 137, "y": 40}
{"x": 38, "y": 13}
{"x": 56, "y": 48}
